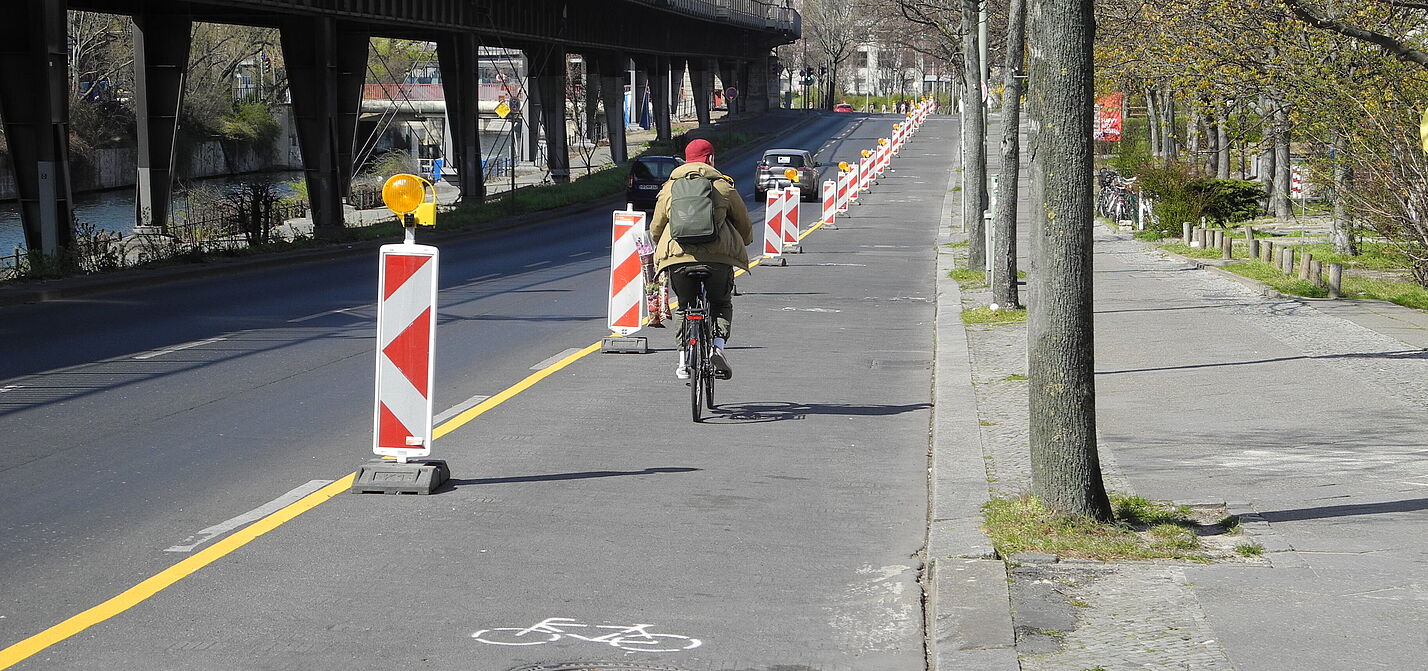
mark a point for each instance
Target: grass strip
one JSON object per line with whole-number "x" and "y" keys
{"x": 986, "y": 315}
{"x": 1142, "y": 530}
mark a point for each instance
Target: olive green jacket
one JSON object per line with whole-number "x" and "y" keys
{"x": 735, "y": 234}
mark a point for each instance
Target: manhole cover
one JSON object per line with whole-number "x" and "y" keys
{"x": 595, "y": 666}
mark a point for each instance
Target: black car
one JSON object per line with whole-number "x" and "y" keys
{"x": 647, "y": 175}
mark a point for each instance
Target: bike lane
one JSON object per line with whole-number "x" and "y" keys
{"x": 783, "y": 532}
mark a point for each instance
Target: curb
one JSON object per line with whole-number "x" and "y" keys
{"x": 87, "y": 285}
{"x": 969, "y": 623}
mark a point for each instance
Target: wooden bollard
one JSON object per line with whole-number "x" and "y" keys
{"x": 1198, "y": 239}
{"x": 1249, "y": 233}
{"x": 1316, "y": 272}
{"x": 1275, "y": 253}
{"x": 1185, "y": 233}
{"x": 1227, "y": 247}
{"x": 1216, "y": 239}
{"x": 1253, "y": 249}
{"x": 1287, "y": 261}
{"x": 1304, "y": 263}
{"x": 1266, "y": 251}
{"x": 1336, "y": 280}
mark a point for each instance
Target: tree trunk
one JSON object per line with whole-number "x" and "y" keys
{"x": 1192, "y": 135}
{"x": 974, "y": 140}
{"x": 1004, "y": 266}
{"x": 1065, "y": 467}
{"x": 1222, "y": 143}
{"x": 1280, "y": 198}
{"x": 1341, "y": 229}
{"x": 1267, "y": 154}
{"x": 1167, "y": 131}
{"x": 1152, "y": 122}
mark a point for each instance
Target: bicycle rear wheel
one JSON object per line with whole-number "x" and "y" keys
{"x": 695, "y": 361}
{"x": 707, "y": 375}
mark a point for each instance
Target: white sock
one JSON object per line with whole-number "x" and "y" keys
{"x": 718, "y": 343}
{"x": 682, "y": 363}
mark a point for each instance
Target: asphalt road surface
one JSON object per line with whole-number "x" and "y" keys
{"x": 588, "y": 518}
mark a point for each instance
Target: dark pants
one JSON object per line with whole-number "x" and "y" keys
{"x": 719, "y": 287}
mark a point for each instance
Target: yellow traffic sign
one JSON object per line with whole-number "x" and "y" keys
{"x": 503, "y": 110}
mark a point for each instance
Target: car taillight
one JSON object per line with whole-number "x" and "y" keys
{"x": 630, "y": 181}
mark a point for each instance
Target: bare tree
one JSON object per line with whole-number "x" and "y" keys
{"x": 1065, "y": 467}
{"x": 835, "y": 28}
{"x": 974, "y": 137}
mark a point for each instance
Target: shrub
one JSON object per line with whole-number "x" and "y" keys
{"x": 1227, "y": 200}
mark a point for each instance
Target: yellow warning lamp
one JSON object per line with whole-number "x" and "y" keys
{"x": 882, "y": 141}
{"x": 897, "y": 126}
{"x": 843, "y": 166}
{"x": 405, "y": 194}
{"x": 866, "y": 153}
{"x": 791, "y": 174}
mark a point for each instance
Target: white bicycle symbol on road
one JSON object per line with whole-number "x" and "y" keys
{"x": 634, "y": 638}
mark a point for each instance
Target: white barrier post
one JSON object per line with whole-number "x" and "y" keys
{"x": 830, "y": 202}
{"x": 855, "y": 175}
{"x": 773, "y": 225}
{"x": 865, "y": 174}
{"x": 792, "y": 201}
{"x": 845, "y": 187}
{"x": 627, "y": 308}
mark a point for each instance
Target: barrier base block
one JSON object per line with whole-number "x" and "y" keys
{"x": 418, "y": 476}
{"x": 625, "y": 345}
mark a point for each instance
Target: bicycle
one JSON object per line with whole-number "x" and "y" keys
{"x": 698, "y": 349}
{"x": 633, "y": 638}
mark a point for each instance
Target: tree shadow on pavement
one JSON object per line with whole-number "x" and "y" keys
{"x": 1349, "y": 510}
{"x": 777, "y": 411}
{"x": 552, "y": 477}
{"x": 1401, "y": 354}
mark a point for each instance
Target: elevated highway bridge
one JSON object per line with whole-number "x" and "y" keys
{"x": 324, "y": 45}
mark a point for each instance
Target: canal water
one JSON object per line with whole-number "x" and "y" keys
{"x": 113, "y": 210}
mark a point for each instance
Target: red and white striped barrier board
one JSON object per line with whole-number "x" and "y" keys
{"x": 628, "y": 308}
{"x": 845, "y": 181}
{"x": 1296, "y": 181}
{"x": 773, "y": 223}
{"x": 855, "y": 177}
{"x": 792, "y": 199}
{"x": 830, "y": 201}
{"x": 406, "y": 341}
{"x": 865, "y": 174}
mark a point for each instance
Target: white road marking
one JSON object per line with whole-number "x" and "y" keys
{"x": 579, "y": 254}
{"x": 459, "y": 408}
{"x": 555, "y": 359}
{"x": 10, "y": 387}
{"x": 177, "y": 348}
{"x": 487, "y": 276}
{"x": 208, "y": 534}
{"x": 536, "y": 264}
{"x": 322, "y": 314}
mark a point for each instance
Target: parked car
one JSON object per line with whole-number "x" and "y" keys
{"x": 845, "y": 108}
{"x": 647, "y": 175}
{"x": 772, "y": 168}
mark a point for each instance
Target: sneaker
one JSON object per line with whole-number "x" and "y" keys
{"x": 721, "y": 365}
{"x": 681, "y": 371}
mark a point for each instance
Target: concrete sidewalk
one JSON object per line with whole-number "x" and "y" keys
{"x": 1301, "y": 415}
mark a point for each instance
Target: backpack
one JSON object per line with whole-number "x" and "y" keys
{"x": 691, "y": 210}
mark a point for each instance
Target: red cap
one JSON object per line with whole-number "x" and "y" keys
{"x": 698, "y": 151}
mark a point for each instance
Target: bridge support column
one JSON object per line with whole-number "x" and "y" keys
{"x": 613, "y": 68}
{"x": 161, "y": 46}
{"x": 676, "y": 86}
{"x": 728, "y": 77}
{"x": 327, "y": 65}
{"x": 659, "y": 87}
{"x": 547, "y": 68}
{"x": 756, "y": 85}
{"x": 702, "y": 79}
{"x": 641, "y": 112}
{"x": 591, "y": 102}
{"x": 34, "y": 104}
{"x": 456, "y": 53}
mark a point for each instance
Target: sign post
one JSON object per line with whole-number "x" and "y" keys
{"x": 406, "y": 346}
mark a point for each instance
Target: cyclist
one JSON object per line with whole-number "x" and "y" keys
{"x": 717, "y": 258}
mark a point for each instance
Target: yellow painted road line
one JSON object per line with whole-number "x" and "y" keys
{"x": 134, "y": 595}
{"x": 137, "y": 594}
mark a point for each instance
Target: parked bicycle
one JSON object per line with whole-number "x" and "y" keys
{"x": 634, "y": 638}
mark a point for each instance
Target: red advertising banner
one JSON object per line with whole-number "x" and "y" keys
{"x": 1108, "y": 117}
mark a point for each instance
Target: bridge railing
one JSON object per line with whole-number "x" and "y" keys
{"x": 770, "y": 14}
